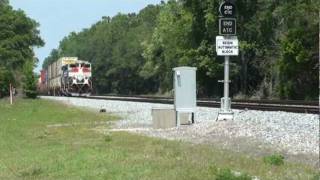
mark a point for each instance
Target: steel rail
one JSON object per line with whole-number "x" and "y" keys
{"x": 264, "y": 101}
{"x": 269, "y": 105}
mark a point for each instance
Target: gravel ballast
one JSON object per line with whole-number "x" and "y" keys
{"x": 289, "y": 133}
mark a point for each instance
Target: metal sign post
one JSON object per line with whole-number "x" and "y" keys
{"x": 226, "y": 98}
{"x": 226, "y": 45}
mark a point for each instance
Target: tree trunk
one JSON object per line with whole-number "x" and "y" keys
{"x": 244, "y": 76}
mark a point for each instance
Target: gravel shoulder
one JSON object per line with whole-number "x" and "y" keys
{"x": 256, "y": 133}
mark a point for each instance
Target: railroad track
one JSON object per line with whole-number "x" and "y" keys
{"x": 311, "y": 107}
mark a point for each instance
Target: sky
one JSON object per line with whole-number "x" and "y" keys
{"x": 57, "y": 18}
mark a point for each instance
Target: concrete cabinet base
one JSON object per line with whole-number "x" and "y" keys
{"x": 185, "y": 118}
{"x": 163, "y": 118}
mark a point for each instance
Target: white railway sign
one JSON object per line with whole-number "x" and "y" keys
{"x": 227, "y": 46}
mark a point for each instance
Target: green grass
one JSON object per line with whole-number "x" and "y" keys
{"x": 224, "y": 174}
{"x": 31, "y": 148}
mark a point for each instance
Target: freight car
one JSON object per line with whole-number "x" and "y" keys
{"x": 67, "y": 77}
{"x": 42, "y": 87}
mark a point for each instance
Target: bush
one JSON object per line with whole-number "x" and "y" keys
{"x": 30, "y": 87}
{"x": 6, "y": 78}
{"x": 31, "y": 94}
{"x": 107, "y": 138}
{"x": 275, "y": 159}
{"x": 316, "y": 177}
{"x": 30, "y": 84}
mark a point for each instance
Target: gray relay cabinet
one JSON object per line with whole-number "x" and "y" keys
{"x": 185, "y": 97}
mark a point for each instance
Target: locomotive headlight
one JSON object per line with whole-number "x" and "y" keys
{"x": 80, "y": 77}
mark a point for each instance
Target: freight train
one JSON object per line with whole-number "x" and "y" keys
{"x": 68, "y": 76}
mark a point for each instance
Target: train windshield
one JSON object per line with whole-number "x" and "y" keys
{"x": 74, "y": 67}
{"x": 85, "y": 65}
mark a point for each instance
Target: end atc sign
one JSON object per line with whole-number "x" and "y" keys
{"x": 227, "y": 26}
{"x": 227, "y": 46}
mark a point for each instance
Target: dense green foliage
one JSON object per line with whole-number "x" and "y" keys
{"x": 135, "y": 53}
{"x": 18, "y": 34}
{"x": 299, "y": 53}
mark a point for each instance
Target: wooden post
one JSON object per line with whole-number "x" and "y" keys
{"x": 10, "y": 88}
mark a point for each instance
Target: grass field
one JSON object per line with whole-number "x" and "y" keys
{"x": 46, "y": 140}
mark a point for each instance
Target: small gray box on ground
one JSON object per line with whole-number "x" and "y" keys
{"x": 163, "y": 118}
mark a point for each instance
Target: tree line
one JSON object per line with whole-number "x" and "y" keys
{"x": 18, "y": 36}
{"x": 135, "y": 53}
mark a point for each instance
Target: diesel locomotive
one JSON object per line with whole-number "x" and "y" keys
{"x": 68, "y": 76}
